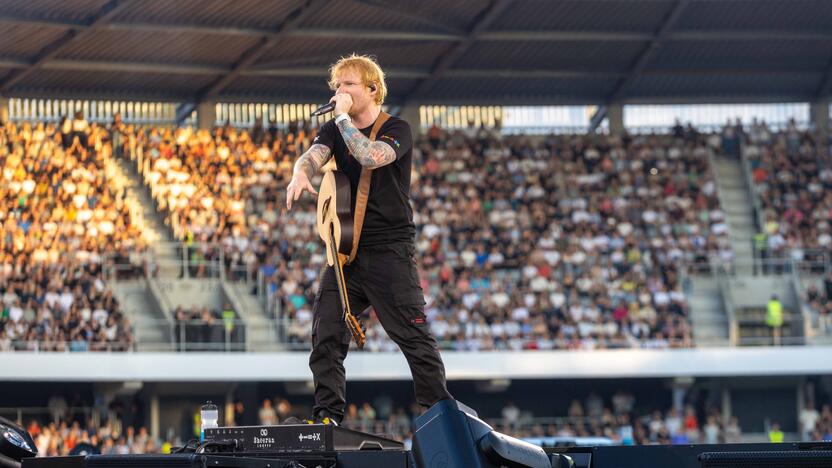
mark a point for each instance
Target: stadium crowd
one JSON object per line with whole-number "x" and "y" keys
{"x": 220, "y": 189}
{"x": 585, "y": 258}
{"x": 792, "y": 176}
{"x": 620, "y": 420}
{"x": 65, "y": 220}
{"x": 590, "y": 256}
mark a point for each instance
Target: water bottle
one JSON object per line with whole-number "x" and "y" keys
{"x": 208, "y": 415}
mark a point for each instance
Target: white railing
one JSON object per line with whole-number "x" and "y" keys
{"x": 99, "y": 111}
{"x": 180, "y": 265}
{"x": 818, "y": 263}
{"x": 759, "y": 215}
{"x": 728, "y": 305}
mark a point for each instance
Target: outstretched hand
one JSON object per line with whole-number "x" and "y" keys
{"x": 299, "y": 183}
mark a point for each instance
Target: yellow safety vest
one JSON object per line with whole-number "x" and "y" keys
{"x": 774, "y": 315}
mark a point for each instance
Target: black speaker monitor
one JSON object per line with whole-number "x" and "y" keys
{"x": 450, "y": 435}
{"x": 15, "y": 442}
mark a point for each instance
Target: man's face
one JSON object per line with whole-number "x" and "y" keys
{"x": 349, "y": 82}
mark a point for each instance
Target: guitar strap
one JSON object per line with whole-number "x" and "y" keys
{"x": 364, "y": 191}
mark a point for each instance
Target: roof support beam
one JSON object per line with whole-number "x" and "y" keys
{"x": 825, "y": 83}
{"x": 404, "y": 13}
{"x": 405, "y": 73}
{"x": 648, "y": 53}
{"x": 183, "y": 111}
{"x": 135, "y": 67}
{"x": 483, "y": 21}
{"x": 192, "y": 28}
{"x": 751, "y": 35}
{"x": 42, "y": 22}
{"x": 596, "y": 119}
{"x": 446, "y": 33}
{"x": 376, "y": 34}
{"x": 254, "y": 53}
{"x": 54, "y": 48}
{"x": 283, "y": 97}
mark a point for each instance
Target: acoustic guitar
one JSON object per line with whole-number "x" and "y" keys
{"x": 335, "y": 226}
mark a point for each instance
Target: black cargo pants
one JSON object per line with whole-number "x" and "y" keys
{"x": 386, "y": 278}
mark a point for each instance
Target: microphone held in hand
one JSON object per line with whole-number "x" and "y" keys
{"x": 328, "y": 107}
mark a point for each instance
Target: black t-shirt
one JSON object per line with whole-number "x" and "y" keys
{"x": 389, "y": 217}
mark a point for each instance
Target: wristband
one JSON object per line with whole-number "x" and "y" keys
{"x": 341, "y": 117}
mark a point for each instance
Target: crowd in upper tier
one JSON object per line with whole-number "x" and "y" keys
{"x": 524, "y": 242}
{"x": 65, "y": 220}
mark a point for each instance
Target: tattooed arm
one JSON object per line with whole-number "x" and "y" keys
{"x": 313, "y": 160}
{"x": 307, "y": 166}
{"x": 371, "y": 154}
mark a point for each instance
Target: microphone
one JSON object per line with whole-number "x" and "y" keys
{"x": 328, "y": 107}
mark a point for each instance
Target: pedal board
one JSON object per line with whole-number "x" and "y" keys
{"x": 292, "y": 438}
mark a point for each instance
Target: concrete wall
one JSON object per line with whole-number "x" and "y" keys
{"x": 193, "y": 293}
{"x": 756, "y": 291}
{"x": 294, "y": 366}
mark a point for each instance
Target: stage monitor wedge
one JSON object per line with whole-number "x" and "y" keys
{"x": 15, "y": 442}
{"x": 450, "y": 435}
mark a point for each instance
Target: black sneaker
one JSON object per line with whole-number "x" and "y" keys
{"x": 326, "y": 420}
{"x": 313, "y": 420}
{"x": 323, "y": 417}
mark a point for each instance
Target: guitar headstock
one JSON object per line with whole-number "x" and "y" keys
{"x": 357, "y": 330}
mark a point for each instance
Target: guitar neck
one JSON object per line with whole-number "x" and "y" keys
{"x": 338, "y": 266}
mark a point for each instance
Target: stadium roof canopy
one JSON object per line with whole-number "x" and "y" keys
{"x": 434, "y": 51}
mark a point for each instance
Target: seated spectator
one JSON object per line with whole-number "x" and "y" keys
{"x": 585, "y": 258}
{"x": 792, "y": 179}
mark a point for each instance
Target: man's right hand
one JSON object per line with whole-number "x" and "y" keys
{"x": 307, "y": 166}
{"x": 299, "y": 183}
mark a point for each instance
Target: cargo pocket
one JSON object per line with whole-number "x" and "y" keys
{"x": 409, "y": 298}
{"x": 412, "y": 306}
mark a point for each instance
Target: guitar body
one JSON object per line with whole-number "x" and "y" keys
{"x": 336, "y": 228}
{"x": 335, "y": 214}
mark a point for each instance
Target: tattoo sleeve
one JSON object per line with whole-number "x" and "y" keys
{"x": 313, "y": 159}
{"x": 371, "y": 154}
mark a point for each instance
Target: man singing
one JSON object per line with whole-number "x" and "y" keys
{"x": 383, "y": 273}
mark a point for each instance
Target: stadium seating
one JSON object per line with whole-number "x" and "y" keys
{"x": 792, "y": 178}
{"x": 65, "y": 222}
{"x": 517, "y": 257}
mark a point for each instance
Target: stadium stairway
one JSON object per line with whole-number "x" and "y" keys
{"x": 156, "y": 231}
{"x": 737, "y": 205}
{"x": 154, "y": 222}
{"x": 166, "y": 288}
{"x": 152, "y": 328}
{"x": 261, "y": 334}
{"x": 709, "y": 318}
{"x": 213, "y": 293}
{"x": 140, "y": 298}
